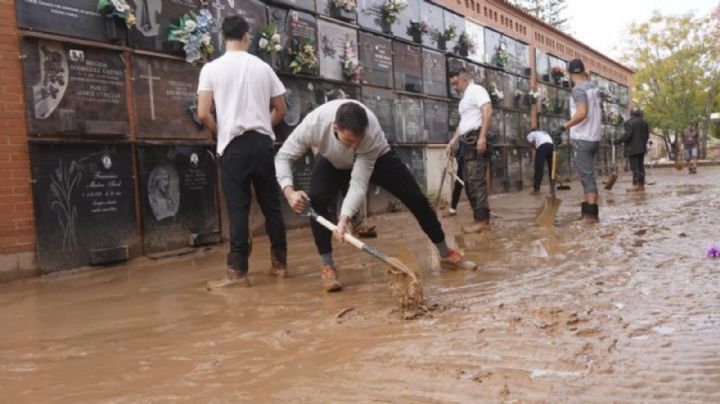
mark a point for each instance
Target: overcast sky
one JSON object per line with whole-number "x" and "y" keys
{"x": 602, "y": 24}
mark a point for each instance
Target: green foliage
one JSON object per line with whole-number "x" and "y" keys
{"x": 549, "y": 11}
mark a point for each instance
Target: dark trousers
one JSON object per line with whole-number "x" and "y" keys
{"x": 249, "y": 159}
{"x": 543, "y": 154}
{"x": 326, "y": 183}
{"x": 474, "y": 170}
{"x": 457, "y": 186}
{"x": 637, "y": 165}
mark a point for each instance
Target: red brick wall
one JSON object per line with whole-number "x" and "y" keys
{"x": 17, "y": 228}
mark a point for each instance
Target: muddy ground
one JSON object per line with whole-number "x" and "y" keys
{"x": 626, "y": 311}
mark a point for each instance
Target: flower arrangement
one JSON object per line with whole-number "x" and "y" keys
{"x": 391, "y": 10}
{"x": 713, "y": 252}
{"x": 304, "y": 58}
{"x": 351, "y": 68}
{"x": 557, "y": 73}
{"x": 501, "y": 56}
{"x": 420, "y": 27}
{"x": 465, "y": 42}
{"x": 534, "y": 96}
{"x": 519, "y": 93}
{"x": 116, "y": 8}
{"x": 269, "y": 41}
{"x": 547, "y": 105}
{"x": 193, "y": 30}
{"x": 450, "y": 33}
{"x": 346, "y": 5}
{"x": 496, "y": 96}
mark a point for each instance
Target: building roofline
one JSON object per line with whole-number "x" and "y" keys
{"x": 564, "y": 34}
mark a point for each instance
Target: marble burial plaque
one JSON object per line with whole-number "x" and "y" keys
{"x": 326, "y": 7}
{"x": 301, "y": 30}
{"x": 165, "y": 93}
{"x": 68, "y": 17}
{"x": 84, "y": 200}
{"x": 408, "y": 67}
{"x": 414, "y": 159}
{"x": 254, "y": 11}
{"x": 302, "y": 173}
{"x": 436, "y": 121}
{"x": 514, "y": 168}
{"x": 458, "y": 22}
{"x": 500, "y": 181}
{"x": 308, "y": 5}
{"x": 401, "y": 29}
{"x": 409, "y": 120}
{"x": 453, "y": 116}
{"x": 476, "y": 34}
{"x": 301, "y": 97}
{"x": 154, "y": 18}
{"x": 370, "y": 16}
{"x": 382, "y": 103}
{"x": 435, "y": 80}
{"x": 332, "y": 46}
{"x": 177, "y": 194}
{"x": 433, "y": 15}
{"x": 376, "y": 60}
{"x": 72, "y": 89}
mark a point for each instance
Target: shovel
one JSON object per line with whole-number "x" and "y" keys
{"x": 613, "y": 175}
{"x": 404, "y": 281}
{"x": 547, "y": 214}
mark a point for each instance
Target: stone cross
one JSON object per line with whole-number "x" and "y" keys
{"x": 150, "y": 78}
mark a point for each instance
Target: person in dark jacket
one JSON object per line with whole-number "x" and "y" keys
{"x": 637, "y": 134}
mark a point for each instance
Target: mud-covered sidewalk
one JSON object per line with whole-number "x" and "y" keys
{"x": 628, "y": 310}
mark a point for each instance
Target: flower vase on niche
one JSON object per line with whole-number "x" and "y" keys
{"x": 546, "y": 77}
{"x": 113, "y": 30}
{"x": 342, "y": 9}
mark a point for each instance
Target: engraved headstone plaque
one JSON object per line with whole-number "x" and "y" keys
{"x": 77, "y": 18}
{"x": 153, "y": 20}
{"x": 436, "y": 121}
{"x": 435, "y": 81}
{"x": 84, "y": 200}
{"x": 409, "y": 120}
{"x": 408, "y": 67}
{"x": 401, "y": 29}
{"x": 301, "y": 31}
{"x": 301, "y": 98}
{"x": 414, "y": 159}
{"x": 333, "y": 44}
{"x": 382, "y": 103}
{"x": 376, "y": 60}
{"x": 476, "y": 35}
{"x": 433, "y": 16}
{"x": 327, "y": 7}
{"x": 177, "y": 194}
{"x": 72, "y": 89}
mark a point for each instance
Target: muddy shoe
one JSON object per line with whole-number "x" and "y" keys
{"x": 232, "y": 279}
{"x": 477, "y": 227}
{"x": 278, "y": 269}
{"x": 330, "y": 279}
{"x": 450, "y": 212}
{"x": 456, "y": 261}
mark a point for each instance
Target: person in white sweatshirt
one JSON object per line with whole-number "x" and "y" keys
{"x": 352, "y": 151}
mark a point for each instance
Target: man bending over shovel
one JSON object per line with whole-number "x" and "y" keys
{"x": 352, "y": 149}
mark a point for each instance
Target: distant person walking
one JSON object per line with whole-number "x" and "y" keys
{"x": 690, "y": 145}
{"x": 637, "y": 134}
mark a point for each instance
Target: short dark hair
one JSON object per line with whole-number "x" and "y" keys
{"x": 636, "y": 112}
{"x": 457, "y": 72}
{"x": 235, "y": 27}
{"x": 352, "y": 116}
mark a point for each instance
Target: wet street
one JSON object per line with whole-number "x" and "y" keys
{"x": 625, "y": 311}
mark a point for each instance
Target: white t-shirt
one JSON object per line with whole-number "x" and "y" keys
{"x": 539, "y": 138}
{"x": 242, "y": 85}
{"x": 590, "y": 129}
{"x": 471, "y": 115}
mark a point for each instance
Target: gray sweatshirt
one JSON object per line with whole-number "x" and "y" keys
{"x": 316, "y": 130}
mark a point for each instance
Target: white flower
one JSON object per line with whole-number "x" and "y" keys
{"x": 190, "y": 26}
{"x": 278, "y": 47}
{"x": 120, "y": 5}
{"x": 206, "y": 38}
{"x": 263, "y": 43}
{"x": 276, "y": 38}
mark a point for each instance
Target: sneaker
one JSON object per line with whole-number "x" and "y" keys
{"x": 456, "y": 260}
{"x": 278, "y": 269}
{"x": 330, "y": 279}
{"x": 232, "y": 278}
{"x": 478, "y": 227}
{"x": 450, "y": 212}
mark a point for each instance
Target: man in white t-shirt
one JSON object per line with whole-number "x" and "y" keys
{"x": 353, "y": 152}
{"x": 543, "y": 148}
{"x": 585, "y": 127}
{"x": 471, "y": 134}
{"x": 243, "y": 88}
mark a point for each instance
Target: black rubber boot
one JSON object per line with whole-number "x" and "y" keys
{"x": 583, "y": 210}
{"x": 593, "y": 213}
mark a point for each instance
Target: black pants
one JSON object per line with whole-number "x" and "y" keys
{"x": 326, "y": 183}
{"x": 637, "y": 165}
{"x": 542, "y": 154}
{"x": 457, "y": 186}
{"x": 249, "y": 159}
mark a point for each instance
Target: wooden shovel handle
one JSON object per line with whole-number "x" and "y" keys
{"x": 554, "y": 166}
{"x": 347, "y": 236}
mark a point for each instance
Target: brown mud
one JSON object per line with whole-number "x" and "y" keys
{"x": 624, "y": 311}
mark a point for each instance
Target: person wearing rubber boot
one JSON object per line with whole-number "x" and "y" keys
{"x": 637, "y": 134}
{"x": 542, "y": 148}
{"x": 472, "y": 132}
{"x": 585, "y": 127}
{"x": 353, "y": 152}
{"x": 242, "y": 87}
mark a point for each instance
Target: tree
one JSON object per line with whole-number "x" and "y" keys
{"x": 549, "y": 11}
{"x": 678, "y": 71}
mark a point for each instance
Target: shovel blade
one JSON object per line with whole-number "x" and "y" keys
{"x": 546, "y": 217}
{"x": 611, "y": 181}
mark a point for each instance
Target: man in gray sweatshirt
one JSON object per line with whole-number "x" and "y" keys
{"x": 352, "y": 152}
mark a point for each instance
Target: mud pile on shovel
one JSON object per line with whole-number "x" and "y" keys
{"x": 404, "y": 280}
